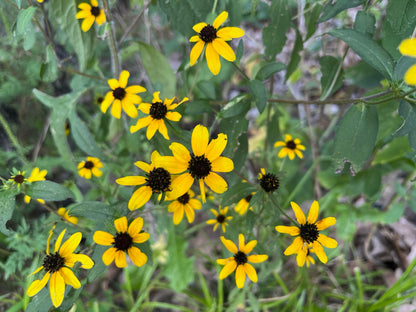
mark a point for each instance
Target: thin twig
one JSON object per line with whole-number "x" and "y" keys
{"x": 76, "y": 72}
{"x": 136, "y": 19}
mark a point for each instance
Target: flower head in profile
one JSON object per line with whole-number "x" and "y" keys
{"x": 269, "y": 182}
{"x": 240, "y": 261}
{"x": 57, "y": 267}
{"x": 408, "y": 47}
{"x": 90, "y": 167}
{"x": 158, "y": 110}
{"x": 215, "y": 42}
{"x": 290, "y": 147}
{"x": 35, "y": 175}
{"x": 244, "y": 204}
{"x": 65, "y": 215}
{"x": 201, "y": 165}
{"x": 123, "y": 242}
{"x": 184, "y": 204}
{"x": 122, "y": 97}
{"x": 308, "y": 234}
{"x": 90, "y": 13}
{"x": 221, "y": 218}
{"x": 156, "y": 181}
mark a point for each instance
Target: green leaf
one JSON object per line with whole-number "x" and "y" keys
{"x": 269, "y": 69}
{"x": 396, "y": 149}
{"x": 311, "y": 18}
{"x": 48, "y": 190}
{"x": 274, "y": 35}
{"x": 365, "y": 23}
{"x": 403, "y": 64}
{"x": 332, "y": 75}
{"x": 332, "y": 9}
{"x": 7, "y": 204}
{"x": 259, "y": 94}
{"x": 408, "y": 126}
{"x": 241, "y": 152}
{"x": 240, "y": 126}
{"x": 294, "y": 57}
{"x": 357, "y": 131}
{"x": 197, "y": 107}
{"x": 273, "y": 129}
{"x": 367, "y": 49}
{"x": 24, "y": 19}
{"x": 237, "y": 106}
{"x": 49, "y": 69}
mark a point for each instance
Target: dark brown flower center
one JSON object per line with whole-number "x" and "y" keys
{"x": 19, "y": 178}
{"x": 123, "y": 241}
{"x": 248, "y": 198}
{"x": 158, "y": 110}
{"x": 221, "y": 218}
{"x": 184, "y": 199}
{"x": 95, "y": 11}
{"x": 119, "y": 93}
{"x": 159, "y": 180}
{"x": 199, "y": 166}
{"x": 291, "y": 145}
{"x": 53, "y": 262}
{"x": 269, "y": 182}
{"x": 88, "y": 165}
{"x": 309, "y": 232}
{"x": 208, "y": 33}
{"x": 240, "y": 257}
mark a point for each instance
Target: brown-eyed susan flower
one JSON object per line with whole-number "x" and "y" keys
{"x": 308, "y": 234}
{"x": 240, "y": 261}
{"x": 90, "y": 13}
{"x": 122, "y": 97}
{"x": 290, "y": 147}
{"x": 158, "y": 110}
{"x": 57, "y": 267}
{"x": 123, "y": 242}
{"x": 202, "y": 164}
{"x": 156, "y": 181}
{"x": 269, "y": 182}
{"x": 244, "y": 204}
{"x": 184, "y": 204}
{"x": 221, "y": 218}
{"x": 215, "y": 42}
{"x": 88, "y": 168}
{"x": 35, "y": 175}
{"x": 408, "y": 47}
{"x": 65, "y": 215}
{"x": 18, "y": 178}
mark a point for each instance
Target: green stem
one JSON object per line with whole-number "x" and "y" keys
{"x": 12, "y": 138}
{"x": 214, "y": 7}
{"x": 282, "y": 211}
{"x": 76, "y": 72}
{"x": 115, "y": 61}
{"x": 128, "y": 287}
{"x": 241, "y": 71}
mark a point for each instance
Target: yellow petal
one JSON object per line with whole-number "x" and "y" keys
{"x": 131, "y": 180}
{"x": 251, "y": 272}
{"x": 181, "y": 185}
{"x": 225, "y": 261}
{"x": 37, "y": 285}
{"x": 82, "y": 14}
{"x": 57, "y": 289}
{"x": 325, "y": 223}
{"x": 222, "y": 164}
{"x": 124, "y": 76}
{"x": 299, "y": 153}
{"x": 241, "y": 243}
{"x": 317, "y": 248}
{"x": 136, "y": 256}
{"x": 141, "y": 238}
{"x": 135, "y": 227}
{"x": 300, "y": 216}
{"x": 128, "y": 107}
{"x": 294, "y": 247}
{"x": 301, "y": 256}
{"x": 100, "y": 18}
{"x": 200, "y": 137}
{"x": 140, "y": 197}
{"x": 213, "y": 59}
{"x": 229, "y": 245}
{"x": 59, "y": 240}
{"x": 283, "y": 152}
{"x": 220, "y": 19}
{"x": 144, "y": 166}
{"x": 70, "y": 244}
{"x": 94, "y": 3}
{"x": 135, "y": 89}
{"x": 410, "y": 76}
{"x": 291, "y": 230}
{"x": 108, "y": 99}
{"x": 85, "y": 7}
{"x": 113, "y": 83}
{"x": 86, "y": 262}
{"x": 216, "y": 183}
{"x": 313, "y": 212}
{"x": 327, "y": 241}
{"x": 194, "y": 39}
{"x": 196, "y": 52}
{"x": 87, "y": 23}
{"x": 116, "y": 109}
{"x": 108, "y": 255}
{"x": 228, "y": 33}
{"x": 141, "y": 123}
{"x": 178, "y": 215}
{"x": 69, "y": 277}
{"x": 223, "y": 49}
{"x": 216, "y": 147}
{"x": 151, "y": 129}
{"x": 103, "y": 238}
{"x": 288, "y": 137}
{"x": 408, "y": 47}
{"x": 198, "y": 27}
{"x": 228, "y": 269}
{"x": 121, "y": 224}
{"x": 190, "y": 213}
{"x": 279, "y": 143}
{"x": 120, "y": 259}
{"x": 174, "y": 116}
{"x": 180, "y": 152}
{"x": 257, "y": 258}
{"x": 240, "y": 276}
{"x": 249, "y": 246}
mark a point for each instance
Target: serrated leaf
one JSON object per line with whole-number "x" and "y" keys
{"x": 269, "y": 69}
{"x": 259, "y": 94}
{"x": 332, "y": 75}
{"x": 332, "y": 9}
{"x": 49, "y": 191}
{"x": 7, "y": 204}
{"x": 294, "y": 57}
{"x": 367, "y": 49}
{"x": 238, "y": 105}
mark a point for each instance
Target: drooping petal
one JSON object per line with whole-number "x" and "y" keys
{"x": 257, "y": 258}
{"x": 317, "y": 248}
{"x": 326, "y": 241}
{"x": 196, "y": 52}
{"x": 103, "y": 238}
{"x": 228, "y": 269}
{"x": 37, "y": 285}
{"x": 108, "y": 255}
{"x": 121, "y": 224}
{"x": 120, "y": 259}
{"x": 86, "y": 262}
{"x": 220, "y": 19}
{"x": 216, "y": 183}
{"x": 108, "y": 99}
{"x": 124, "y": 76}
{"x": 137, "y": 257}
{"x": 251, "y": 272}
{"x": 199, "y": 140}
{"x": 213, "y": 59}
{"x": 291, "y": 230}
{"x": 69, "y": 277}
{"x": 408, "y": 47}
{"x": 222, "y": 164}
{"x": 174, "y": 116}
{"x": 223, "y": 49}
{"x": 151, "y": 129}
{"x": 178, "y": 215}
{"x": 325, "y": 223}
{"x": 57, "y": 289}
{"x": 228, "y": 33}
{"x": 294, "y": 247}
{"x": 140, "y": 197}
{"x": 291, "y": 154}
{"x": 69, "y": 246}
{"x": 129, "y": 107}
{"x": 240, "y": 276}
{"x": 313, "y": 212}
{"x": 300, "y": 216}
{"x": 131, "y": 180}
{"x": 229, "y": 245}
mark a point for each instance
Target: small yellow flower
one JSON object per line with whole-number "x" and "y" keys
{"x": 36, "y": 175}
{"x": 122, "y": 97}
{"x": 308, "y": 234}
{"x": 40, "y": 1}
{"x": 239, "y": 262}
{"x": 65, "y": 214}
{"x": 157, "y": 112}
{"x": 57, "y": 267}
{"x": 88, "y": 168}
{"x": 201, "y": 165}
{"x": 184, "y": 204}
{"x": 243, "y": 205}
{"x": 123, "y": 242}
{"x": 156, "y": 181}
{"x": 90, "y": 13}
{"x": 408, "y": 47}
{"x": 216, "y": 42}
{"x": 269, "y": 182}
{"x": 220, "y": 218}
{"x": 290, "y": 147}
{"x": 18, "y": 178}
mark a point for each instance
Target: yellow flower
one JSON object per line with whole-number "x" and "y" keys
{"x": 308, "y": 234}
{"x": 269, "y": 182}
{"x": 243, "y": 205}
{"x": 65, "y": 214}
{"x": 309, "y": 258}
{"x": 90, "y": 13}
{"x": 122, "y": 97}
{"x": 90, "y": 167}
{"x": 290, "y": 147}
{"x": 184, "y": 204}
{"x": 157, "y": 111}
{"x": 36, "y": 175}
{"x": 408, "y": 47}
{"x": 220, "y": 218}
{"x": 239, "y": 262}
{"x": 18, "y": 178}
{"x": 156, "y": 181}
{"x": 40, "y": 1}
{"x": 215, "y": 40}
{"x": 201, "y": 165}
{"x": 57, "y": 267}
{"x": 122, "y": 242}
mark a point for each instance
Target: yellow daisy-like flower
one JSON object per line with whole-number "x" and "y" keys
{"x": 215, "y": 40}
{"x": 269, "y": 182}
{"x": 184, "y": 204}
{"x": 122, "y": 97}
{"x": 220, "y": 218}
{"x": 201, "y": 165}
{"x": 244, "y": 204}
{"x": 309, "y": 258}
{"x": 36, "y": 175}
{"x": 65, "y": 214}
{"x": 156, "y": 181}
{"x": 408, "y": 47}
{"x": 239, "y": 262}
{"x": 90, "y": 13}
{"x": 89, "y": 167}
{"x": 57, "y": 267}
{"x": 18, "y": 178}
{"x": 157, "y": 111}
{"x": 122, "y": 242}
{"x": 290, "y": 147}
{"x": 308, "y": 234}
